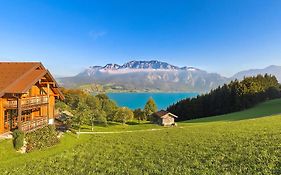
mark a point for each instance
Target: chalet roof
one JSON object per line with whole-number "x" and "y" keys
{"x": 18, "y": 77}
{"x": 163, "y": 113}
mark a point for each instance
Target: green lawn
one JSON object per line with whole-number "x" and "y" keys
{"x": 9, "y": 158}
{"x": 241, "y": 143}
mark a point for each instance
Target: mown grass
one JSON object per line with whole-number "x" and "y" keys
{"x": 237, "y": 146}
{"x": 9, "y": 158}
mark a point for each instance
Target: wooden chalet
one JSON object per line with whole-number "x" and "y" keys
{"x": 27, "y": 96}
{"x": 164, "y": 118}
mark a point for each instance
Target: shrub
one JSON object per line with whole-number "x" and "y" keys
{"x": 42, "y": 138}
{"x": 18, "y": 138}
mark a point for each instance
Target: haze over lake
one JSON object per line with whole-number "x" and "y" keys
{"x": 138, "y": 100}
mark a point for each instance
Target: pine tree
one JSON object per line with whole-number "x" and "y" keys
{"x": 237, "y": 95}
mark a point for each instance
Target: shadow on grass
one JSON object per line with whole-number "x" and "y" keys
{"x": 133, "y": 123}
{"x": 138, "y": 123}
{"x": 112, "y": 124}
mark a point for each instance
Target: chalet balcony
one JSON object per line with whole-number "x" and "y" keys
{"x": 27, "y": 102}
{"x": 37, "y": 122}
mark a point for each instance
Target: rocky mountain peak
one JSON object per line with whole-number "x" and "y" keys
{"x": 153, "y": 64}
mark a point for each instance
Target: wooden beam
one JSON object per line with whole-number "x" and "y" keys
{"x": 1, "y": 116}
{"x": 48, "y": 107}
{"x": 19, "y": 112}
{"x": 46, "y": 83}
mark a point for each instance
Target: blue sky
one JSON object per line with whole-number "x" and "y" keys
{"x": 223, "y": 36}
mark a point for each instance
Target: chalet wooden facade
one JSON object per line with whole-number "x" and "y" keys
{"x": 27, "y": 96}
{"x": 164, "y": 118}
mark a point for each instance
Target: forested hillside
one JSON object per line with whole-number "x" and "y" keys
{"x": 235, "y": 96}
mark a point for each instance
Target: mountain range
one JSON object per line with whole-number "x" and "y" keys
{"x": 154, "y": 76}
{"x": 273, "y": 70}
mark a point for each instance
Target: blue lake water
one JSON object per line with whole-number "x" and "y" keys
{"x": 138, "y": 100}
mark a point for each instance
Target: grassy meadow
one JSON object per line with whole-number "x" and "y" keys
{"x": 247, "y": 142}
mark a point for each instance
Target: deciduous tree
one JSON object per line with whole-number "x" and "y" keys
{"x": 123, "y": 114}
{"x": 139, "y": 114}
{"x": 150, "y": 107}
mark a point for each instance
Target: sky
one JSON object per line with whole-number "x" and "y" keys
{"x": 67, "y": 36}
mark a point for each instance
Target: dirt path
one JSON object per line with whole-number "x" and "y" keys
{"x": 117, "y": 132}
{"x": 7, "y": 135}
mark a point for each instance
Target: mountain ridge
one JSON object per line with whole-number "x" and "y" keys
{"x": 155, "y": 76}
{"x": 272, "y": 69}
{"x": 153, "y": 64}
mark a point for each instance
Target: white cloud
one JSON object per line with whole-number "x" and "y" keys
{"x": 97, "y": 34}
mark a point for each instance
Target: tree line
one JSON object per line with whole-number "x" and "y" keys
{"x": 232, "y": 97}
{"x": 88, "y": 109}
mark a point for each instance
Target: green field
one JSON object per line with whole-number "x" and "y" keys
{"x": 247, "y": 142}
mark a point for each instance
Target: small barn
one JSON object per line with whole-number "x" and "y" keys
{"x": 164, "y": 118}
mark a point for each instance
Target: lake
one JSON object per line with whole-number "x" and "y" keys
{"x": 138, "y": 100}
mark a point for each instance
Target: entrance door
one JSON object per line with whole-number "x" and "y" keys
{"x": 10, "y": 119}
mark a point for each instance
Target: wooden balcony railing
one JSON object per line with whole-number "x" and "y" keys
{"x": 28, "y": 101}
{"x": 37, "y": 122}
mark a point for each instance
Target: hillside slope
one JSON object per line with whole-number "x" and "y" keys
{"x": 240, "y": 146}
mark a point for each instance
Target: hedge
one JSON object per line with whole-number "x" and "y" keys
{"x": 42, "y": 138}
